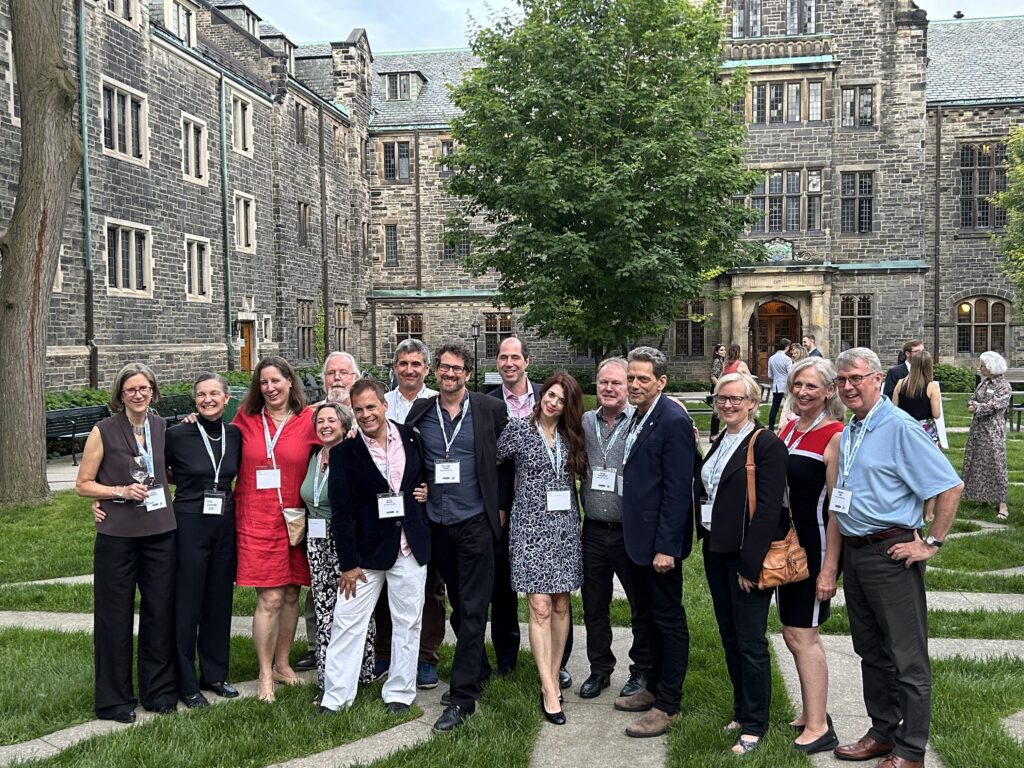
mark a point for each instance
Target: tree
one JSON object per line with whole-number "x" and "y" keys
{"x": 1011, "y": 244}
{"x": 599, "y": 141}
{"x": 51, "y": 152}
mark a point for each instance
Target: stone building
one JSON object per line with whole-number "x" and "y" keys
{"x": 247, "y": 195}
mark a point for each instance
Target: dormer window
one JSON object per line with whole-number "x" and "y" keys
{"x": 252, "y": 25}
{"x": 181, "y": 20}
{"x": 398, "y": 87}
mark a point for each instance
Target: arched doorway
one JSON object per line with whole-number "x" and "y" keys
{"x": 773, "y": 320}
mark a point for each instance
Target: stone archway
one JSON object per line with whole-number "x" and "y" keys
{"x": 771, "y": 321}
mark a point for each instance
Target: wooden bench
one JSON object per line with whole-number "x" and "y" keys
{"x": 1016, "y": 410}
{"x": 174, "y": 408}
{"x": 72, "y": 423}
{"x": 491, "y": 379}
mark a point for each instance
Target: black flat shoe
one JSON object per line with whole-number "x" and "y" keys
{"x": 121, "y": 716}
{"x": 827, "y": 742}
{"x": 195, "y": 701}
{"x": 593, "y": 686}
{"x": 451, "y": 718}
{"x": 166, "y": 709}
{"x": 224, "y": 690}
{"x": 397, "y": 708}
{"x": 555, "y": 718}
{"x": 306, "y": 663}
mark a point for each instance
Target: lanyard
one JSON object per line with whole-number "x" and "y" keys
{"x": 605, "y": 450}
{"x": 554, "y": 457}
{"x": 722, "y": 456}
{"x": 634, "y": 431}
{"x": 793, "y": 445}
{"x": 849, "y": 456}
{"x": 319, "y": 480}
{"x": 147, "y": 449}
{"x": 209, "y": 450}
{"x": 266, "y": 435}
{"x": 463, "y": 411}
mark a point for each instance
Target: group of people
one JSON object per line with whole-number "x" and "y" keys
{"x": 385, "y": 501}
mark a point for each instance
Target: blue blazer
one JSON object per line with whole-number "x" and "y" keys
{"x": 657, "y": 486}
{"x": 361, "y": 538}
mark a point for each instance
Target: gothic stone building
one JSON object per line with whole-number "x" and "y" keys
{"x": 244, "y": 195}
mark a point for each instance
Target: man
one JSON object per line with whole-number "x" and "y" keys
{"x": 809, "y": 345}
{"x": 888, "y": 466}
{"x": 382, "y": 535}
{"x": 604, "y": 551}
{"x": 516, "y": 389}
{"x": 412, "y": 361}
{"x": 468, "y": 497}
{"x": 657, "y": 527}
{"x": 778, "y": 370}
{"x": 902, "y": 369}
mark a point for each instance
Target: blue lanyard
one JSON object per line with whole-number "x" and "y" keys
{"x": 463, "y": 410}
{"x": 634, "y": 432}
{"x": 849, "y": 456}
{"x": 722, "y": 456}
{"x": 147, "y": 450}
{"x": 209, "y": 450}
{"x": 605, "y": 450}
{"x": 793, "y": 445}
{"x": 266, "y": 435}
{"x": 554, "y": 457}
{"x": 319, "y": 480}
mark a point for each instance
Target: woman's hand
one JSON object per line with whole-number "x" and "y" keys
{"x": 347, "y": 582}
{"x": 135, "y": 492}
{"x": 189, "y": 418}
{"x": 972, "y": 406}
{"x": 420, "y": 493}
{"x": 98, "y": 515}
{"x": 745, "y": 584}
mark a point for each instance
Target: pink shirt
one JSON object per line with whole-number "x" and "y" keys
{"x": 394, "y": 462}
{"x": 519, "y": 406}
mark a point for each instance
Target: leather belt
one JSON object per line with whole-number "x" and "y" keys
{"x": 874, "y": 538}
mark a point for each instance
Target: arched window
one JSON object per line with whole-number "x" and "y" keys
{"x": 981, "y": 325}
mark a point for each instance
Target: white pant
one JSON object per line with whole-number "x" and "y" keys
{"x": 406, "y": 580}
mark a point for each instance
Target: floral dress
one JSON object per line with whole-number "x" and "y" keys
{"x": 985, "y": 477}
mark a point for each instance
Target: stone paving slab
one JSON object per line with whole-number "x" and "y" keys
{"x": 962, "y": 601}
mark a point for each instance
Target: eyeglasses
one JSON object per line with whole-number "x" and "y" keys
{"x": 445, "y": 368}
{"x": 856, "y": 380}
{"x": 730, "y": 399}
{"x": 136, "y": 391}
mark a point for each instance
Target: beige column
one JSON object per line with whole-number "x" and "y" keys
{"x": 737, "y": 320}
{"x": 815, "y": 324}
{"x": 725, "y": 319}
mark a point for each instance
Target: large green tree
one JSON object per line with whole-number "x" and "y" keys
{"x": 1012, "y": 242}
{"x": 599, "y": 140}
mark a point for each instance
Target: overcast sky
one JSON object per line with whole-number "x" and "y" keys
{"x": 401, "y": 25}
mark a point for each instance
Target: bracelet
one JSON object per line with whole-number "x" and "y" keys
{"x": 119, "y": 492}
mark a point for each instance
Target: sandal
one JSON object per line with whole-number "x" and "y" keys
{"x": 1003, "y": 514}
{"x": 743, "y": 746}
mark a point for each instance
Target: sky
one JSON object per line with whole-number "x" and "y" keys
{"x": 403, "y": 25}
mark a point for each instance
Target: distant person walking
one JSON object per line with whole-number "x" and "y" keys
{"x": 985, "y": 477}
{"x": 778, "y": 371}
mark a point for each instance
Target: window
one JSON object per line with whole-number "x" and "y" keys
{"x": 128, "y": 258}
{"x": 391, "y": 245}
{"x": 779, "y": 198}
{"x": 408, "y": 327}
{"x": 814, "y": 101}
{"x": 981, "y": 326}
{"x": 801, "y": 17}
{"x": 341, "y": 320}
{"x": 58, "y": 276}
{"x": 197, "y": 268}
{"x": 447, "y": 145}
{"x": 398, "y": 87}
{"x": 759, "y": 100}
{"x": 125, "y": 10}
{"x": 245, "y": 222}
{"x": 336, "y": 141}
{"x": 498, "y": 326}
{"x": 304, "y": 326}
{"x": 781, "y": 102}
{"x": 241, "y": 125}
{"x": 396, "y": 161}
{"x": 858, "y": 107}
{"x": 746, "y": 18}
{"x": 793, "y": 102}
{"x": 690, "y": 330}
{"x": 303, "y": 224}
{"x": 339, "y": 235}
{"x": 456, "y": 244}
{"x": 124, "y": 122}
{"x": 854, "y": 321}
{"x": 775, "y": 103}
{"x": 193, "y": 149}
{"x": 857, "y": 192}
{"x": 982, "y": 173}
{"x": 364, "y": 155}
{"x": 11, "y": 76}
{"x": 181, "y": 22}
{"x": 814, "y": 201}
{"x": 300, "y": 123}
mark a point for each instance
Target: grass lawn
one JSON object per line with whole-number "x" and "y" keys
{"x": 47, "y": 541}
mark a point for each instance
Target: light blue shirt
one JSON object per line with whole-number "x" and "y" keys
{"x": 778, "y": 369}
{"x": 895, "y": 469}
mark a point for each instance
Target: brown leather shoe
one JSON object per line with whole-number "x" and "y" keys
{"x": 864, "y": 748}
{"x": 654, "y": 723}
{"x": 638, "y": 702}
{"x": 895, "y": 761}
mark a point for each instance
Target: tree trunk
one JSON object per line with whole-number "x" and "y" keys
{"x": 51, "y": 152}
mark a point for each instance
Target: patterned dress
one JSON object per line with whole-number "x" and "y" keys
{"x": 985, "y": 477}
{"x": 547, "y": 557}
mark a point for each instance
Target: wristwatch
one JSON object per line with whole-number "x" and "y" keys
{"x": 931, "y": 541}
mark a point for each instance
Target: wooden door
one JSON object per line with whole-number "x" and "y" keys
{"x": 245, "y": 351}
{"x": 773, "y": 321}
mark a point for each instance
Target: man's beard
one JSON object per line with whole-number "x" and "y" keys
{"x": 338, "y": 394}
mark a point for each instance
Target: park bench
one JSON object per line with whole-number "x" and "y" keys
{"x": 72, "y": 423}
{"x": 491, "y": 379}
{"x": 1016, "y": 409}
{"x": 174, "y": 408}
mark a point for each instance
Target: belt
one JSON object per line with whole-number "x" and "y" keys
{"x": 602, "y": 524}
{"x": 874, "y": 538}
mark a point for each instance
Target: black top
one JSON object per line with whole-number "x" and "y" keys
{"x": 191, "y": 469}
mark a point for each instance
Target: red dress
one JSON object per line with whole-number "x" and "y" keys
{"x": 265, "y": 559}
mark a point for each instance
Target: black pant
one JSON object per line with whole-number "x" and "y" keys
{"x": 777, "y": 398}
{"x": 432, "y": 631}
{"x": 504, "y": 610}
{"x": 119, "y": 564}
{"x": 464, "y": 553}
{"x": 742, "y": 623}
{"x": 604, "y": 556}
{"x": 204, "y": 589}
{"x": 660, "y": 598}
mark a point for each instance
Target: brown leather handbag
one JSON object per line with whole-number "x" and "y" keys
{"x": 786, "y": 561}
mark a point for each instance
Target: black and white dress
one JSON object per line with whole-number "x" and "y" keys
{"x": 547, "y": 557}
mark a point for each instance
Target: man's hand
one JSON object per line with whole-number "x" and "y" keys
{"x": 347, "y": 582}
{"x": 663, "y": 563}
{"x": 826, "y": 585}
{"x": 745, "y": 584}
{"x": 502, "y": 518}
{"x": 912, "y": 551}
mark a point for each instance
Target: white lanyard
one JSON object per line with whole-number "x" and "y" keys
{"x": 605, "y": 450}
{"x": 555, "y": 457}
{"x": 464, "y": 410}
{"x": 319, "y": 480}
{"x": 209, "y": 450}
{"x": 849, "y": 456}
{"x": 147, "y": 449}
{"x": 266, "y": 435}
{"x": 792, "y": 445}
{"x": 635, "y": 430}
{"x": 722, "y": 456}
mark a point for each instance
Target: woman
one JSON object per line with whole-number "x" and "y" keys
{"x": 544, "y": 527}
{"x": 812, "y": 439}
{"x": 735, "y": 547}
{"x": 123, "y": 468}
{"x": 985, "y": 477}
{"x": 733, "y": 363}
{"x": 332, "y": 422}
{"x": 717, "y": 366}
{"x": 277, "y": 438}
{"x": 918, "y": 394}
{"x": 797, "y": 353}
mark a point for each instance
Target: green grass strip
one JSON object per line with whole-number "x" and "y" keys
{"x": 47, "y": 541}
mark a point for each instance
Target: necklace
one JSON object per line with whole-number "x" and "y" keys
{"x": 140, "y": 431}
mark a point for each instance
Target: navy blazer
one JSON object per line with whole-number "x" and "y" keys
{"x": 361, "y": 538}
{"x": 657, "y": 486}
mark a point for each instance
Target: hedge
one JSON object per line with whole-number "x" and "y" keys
{"x": 954, "y": 378}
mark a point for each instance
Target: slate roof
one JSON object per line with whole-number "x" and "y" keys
{"x": 269, "y": 30}
{"x": 976, "y": 60}
{"x": 432, "y": 106}
{"x": 312, "y": 49}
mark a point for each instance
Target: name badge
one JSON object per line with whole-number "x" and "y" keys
{"x": 390, "y": 505}
{"x": 840, "y": 502}
{"x": 603, "y": 480}
{"x": 620, "y": 484}
{"x": 316, "y": 528}
{"x": 268, "y": 478}
{"x": 446, "y": 472}
{"x": 705, "y": 514}
{"x": 213, "y": 502}
{"x": 559, "y": 500}
{"x": 156, "y": 498}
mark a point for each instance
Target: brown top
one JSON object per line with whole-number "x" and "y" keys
{"x": 127, "y": 519}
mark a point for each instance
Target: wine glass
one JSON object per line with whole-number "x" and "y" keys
{"x": 139, "y": 472}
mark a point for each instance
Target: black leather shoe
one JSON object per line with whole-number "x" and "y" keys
{"x": 195, "y": 701}
{"x": 120, "y": 716}
{"x": 564, "y": 678}
{"x": 637, "y": 682}
{"x": 593, "y": 686}
{"x": 452, "y": 717}
{"x": 166, "y": 709}
{"x": 446, "y": 698}
{"x": 322, "y": 712}
{"x": 224, "y": 690}
{"x": 397, "y": 708}
{"x": 306, "y": 663}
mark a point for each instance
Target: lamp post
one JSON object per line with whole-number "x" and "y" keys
{"x": 474, "y": 329}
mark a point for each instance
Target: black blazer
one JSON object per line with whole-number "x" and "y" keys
{"x": 657, "y": 486}
{"x": 489, "y": 419}
{"x": 730, "y": 532}
{"x": 892, "y": 376}
{"x": 361, "y": 538}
